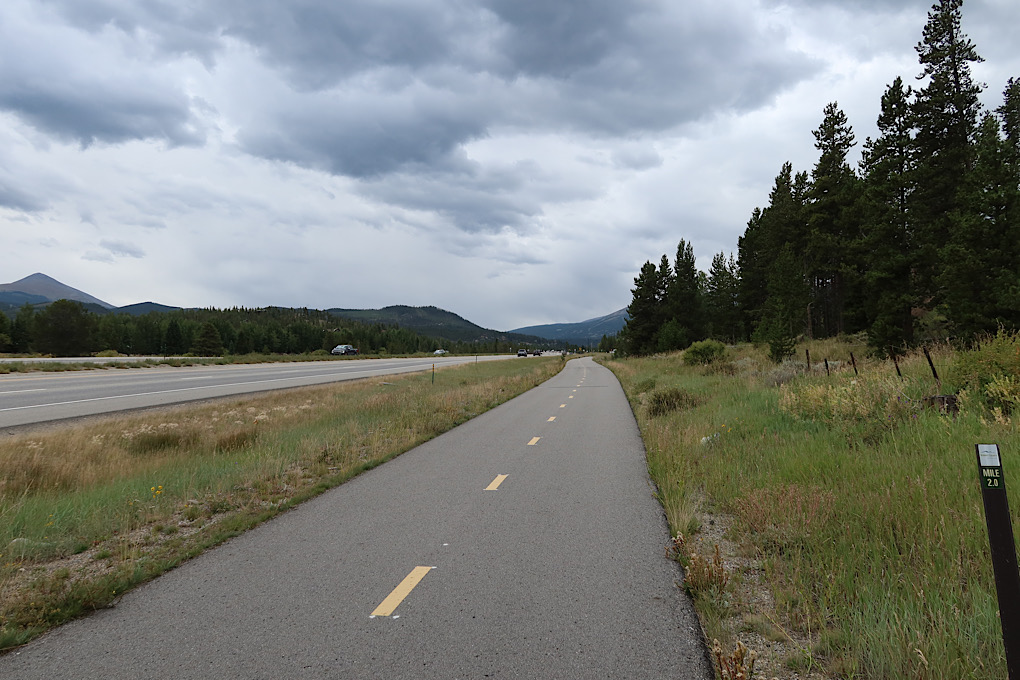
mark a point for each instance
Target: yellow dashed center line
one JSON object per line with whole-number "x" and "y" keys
{"x": 496, "y": 482}
{"x": 551, "y": 419}
{"x": 563, "y": 405}
{"x": 570, "y": 397}
{"x": 534, "y": 440}
{"x": 401, "y": 591}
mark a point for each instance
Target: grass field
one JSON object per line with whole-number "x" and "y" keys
{"x": 859, "y": 500}
{"x": 90, "y": 510}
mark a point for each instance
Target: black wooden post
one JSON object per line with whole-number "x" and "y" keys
{"x": 854, "y": 362}
{"x": 931, "y": 364}
{"x": 1004, "y": 565}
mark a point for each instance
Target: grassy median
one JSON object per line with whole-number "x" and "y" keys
{"x": 853, "y": 498}
{"x": 89, "y": 510}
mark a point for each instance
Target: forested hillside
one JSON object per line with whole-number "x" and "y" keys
{"x": 68, "y": 328}
{"x": 921, "y": 240}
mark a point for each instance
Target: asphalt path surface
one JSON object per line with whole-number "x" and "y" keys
{"x": 526, "y": 543}
{"x": 37, "y": 397}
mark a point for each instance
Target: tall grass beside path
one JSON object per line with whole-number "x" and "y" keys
{"x": 90, "y": 510}
{"x": 859, "y": 500}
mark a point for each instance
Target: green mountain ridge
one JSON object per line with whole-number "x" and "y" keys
{"x": 39, "y": 290}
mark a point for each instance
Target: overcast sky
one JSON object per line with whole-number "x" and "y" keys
{"x": 512, "y": 161}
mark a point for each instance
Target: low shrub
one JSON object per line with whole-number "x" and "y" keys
{"x": 704, "y": 352}
{"x": 671, "y": 399}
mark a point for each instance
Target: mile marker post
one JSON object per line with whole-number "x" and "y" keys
{"x": 1004, "y": 565}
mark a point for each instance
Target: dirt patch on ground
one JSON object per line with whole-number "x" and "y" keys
{"x": 751, "y": 618}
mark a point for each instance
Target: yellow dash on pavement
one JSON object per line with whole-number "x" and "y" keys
{"x": 563, "y": 405}
{"x": 551, "y": 419}
{"x": 534, "y": 440}
{"x": 401, "y": 591}
{"x": 570, "y": 397}
{"x": 496, "y": 482}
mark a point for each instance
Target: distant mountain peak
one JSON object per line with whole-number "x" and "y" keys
{"x": 41, "y": 285}
{"x": 582, "y": 331}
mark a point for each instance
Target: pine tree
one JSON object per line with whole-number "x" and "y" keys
{"x": 888, "y": 244}
{"x": 945, "y": 112}
{"x": 208, "y": 343}
{"x": 64, "y": 329}
{"x": 982, "y": 259}
{"x": 5, "y": 333}
{"x": 832, "y": 227}
{"x": 722, "y": 301}
{"x": 645, "y": 312}
{"x": 23, "y": 329}
{"x": 783, "y": 318}
{"x": 174, "y": 339}
{"x": 752, "y": 262}
{"x": 779, "y": 225}
{"x": 684, "y": 304}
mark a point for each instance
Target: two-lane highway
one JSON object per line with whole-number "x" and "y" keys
{"x": 526, "y": 543}
{"x": 29, "y": 398}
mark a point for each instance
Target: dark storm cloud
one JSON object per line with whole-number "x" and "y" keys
{"x": 174, "y": 28}
{"x": 18, "y": 199}
{"x": 77, "y": 89}
{"x": 603, "y": 67}
{"x": 477, "y": 201}
{"x": 319, "y": 44}
{"x": 379, "y": 90}
{"x": 95, "y": 112}
{"x": 366, "y": 134}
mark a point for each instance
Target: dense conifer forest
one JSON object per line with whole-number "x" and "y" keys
{"x": 68, "y": 328}
{"x": 920, "y": 241}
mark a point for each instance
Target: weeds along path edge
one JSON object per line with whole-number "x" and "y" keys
{"x": 89, "y": 511}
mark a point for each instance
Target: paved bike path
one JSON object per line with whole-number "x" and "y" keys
{"x": 526, "y": 543}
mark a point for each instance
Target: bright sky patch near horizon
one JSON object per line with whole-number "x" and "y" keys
{"x": 512, "y": 161}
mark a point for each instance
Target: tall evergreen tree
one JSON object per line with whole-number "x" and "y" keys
{"x": 64, "y": 329}
{"x": 982, "y": 260}
{"x": 174, "y": 343}
{"x": 684, "y": 304}
{"x": 783, "y": 318}
{"x": 644, "y": 312}
{"x": 23, "y": 329}
{"x": 945, "y": 112}
{"x": 888, "y": 244}
{"x": 832, "y": 227}
{"x": 208, "y": 343}
{"x": 722, "y": 300}
{"x": 780, "y": 224}
{"x": 752, "y": 263}
{"x": 5, "y": 333}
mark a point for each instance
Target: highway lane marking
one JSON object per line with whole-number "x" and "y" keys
{"x": 38, "y": 389}
{"x": 534, "y": 440}
{"x": 570, "y": 397}
{"x": 563, "y": 405}
{"x": 551, "y": 419}
{"x": 392, "y": 600}
{"x": 496, "y": 482}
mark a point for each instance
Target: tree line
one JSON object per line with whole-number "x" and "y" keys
{"x": 69, "y": 328}
{"x": 921, "y": 240}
